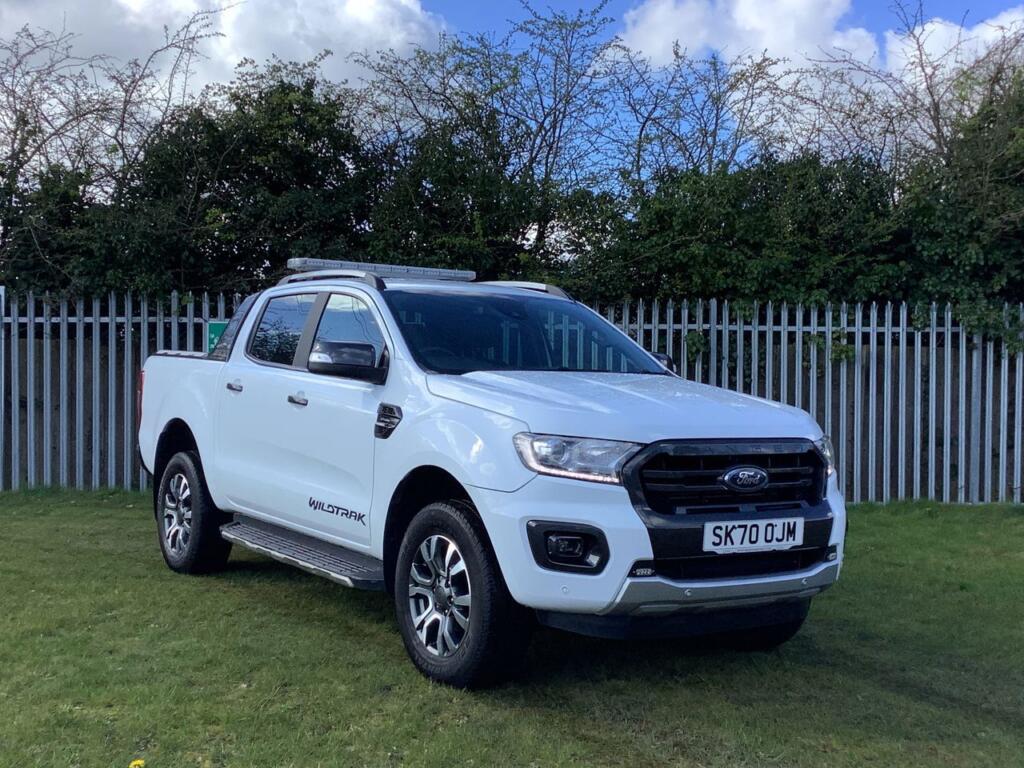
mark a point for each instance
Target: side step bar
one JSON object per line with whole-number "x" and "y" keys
{"x": 338, "y": 564}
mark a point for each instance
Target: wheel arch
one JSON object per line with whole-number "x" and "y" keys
{"x": 175, "y": 437}
{"x": 420, "y": 486}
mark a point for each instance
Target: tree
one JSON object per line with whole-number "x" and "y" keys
{"x": 71, "y": 127}
{"x": 541, "y": 88}
{"x": 266, "y": 169}
{"x": 797, "y": 230}
{"x": 967, "y": 213}
{"x": 49, "y": 233}
{"x": 908, "y": 108}
{"x": 700, "y": 114}
{"x": 552, "y": 152}
{"x": 451, "y": 203}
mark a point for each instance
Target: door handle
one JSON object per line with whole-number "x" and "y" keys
{"x": 234, "y": 386}
{"x": 297, "y": 400}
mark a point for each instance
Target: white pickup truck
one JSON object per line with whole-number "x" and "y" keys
{"x": 493, "y": 455}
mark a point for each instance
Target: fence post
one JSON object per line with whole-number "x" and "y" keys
{"x": 947, "y": 404}
{"x": 1004, "y": 407}
{"x": 713, "y": 334}
{"x": 30, "y": 390}
{"x": 111, "y": 390}
{"x": 47, "y": 394}
{"x": 62, "y": 379}
{"x": 1018, "y": 417}
{"x": 15, "y": 399}
{"x": 975, "y": 478}
{"x": 901, "y": 421}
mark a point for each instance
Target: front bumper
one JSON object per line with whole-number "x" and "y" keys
{"x": 613, "y": 591}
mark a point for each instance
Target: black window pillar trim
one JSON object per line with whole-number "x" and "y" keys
{"x": 301, "y": 359}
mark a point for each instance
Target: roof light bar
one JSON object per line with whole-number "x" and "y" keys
{"x": 383, "y": 270}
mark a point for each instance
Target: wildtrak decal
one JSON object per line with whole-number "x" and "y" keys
{"x": 333, "y": 509}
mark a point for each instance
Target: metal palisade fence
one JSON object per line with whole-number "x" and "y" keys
{"x": 68, "y": 372}
{"x": 917, "y": 406}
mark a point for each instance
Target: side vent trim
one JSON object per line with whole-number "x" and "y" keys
{"x": 388, "y": 418}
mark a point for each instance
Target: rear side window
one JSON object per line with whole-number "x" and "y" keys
{"x": 222, "y": 349}
{"x": 277, "y": 336}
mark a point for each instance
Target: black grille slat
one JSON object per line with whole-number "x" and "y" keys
{"x": 792, "y": 471}
{"x": 681, "y": 488}
{"x": 685, "y": 481}
{"x": 674, "y": 474}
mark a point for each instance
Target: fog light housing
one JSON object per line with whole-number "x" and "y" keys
{"x": 567, "y": 546}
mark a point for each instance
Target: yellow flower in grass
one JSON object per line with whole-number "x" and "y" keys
{"x": 137, "y": 764}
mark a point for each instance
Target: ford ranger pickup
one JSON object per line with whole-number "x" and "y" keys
{"x": 493, "y": 456}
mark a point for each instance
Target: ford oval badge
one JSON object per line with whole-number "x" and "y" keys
{"x": 745, "y": 479}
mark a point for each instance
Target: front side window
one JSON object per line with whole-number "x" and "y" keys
{"x": 463, "y": 332}
{"x": 348, "y": 333}
{"x": 277, "y": 336}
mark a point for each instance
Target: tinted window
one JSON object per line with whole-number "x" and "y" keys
{"x": 277, "y": 336}
{"x": 222, "y": 349}
{"x": 348, "y": 321}
{"x": 462, "y": 332}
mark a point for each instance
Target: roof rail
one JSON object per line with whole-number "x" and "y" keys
{"x": 381, "y": 270}
{"x": 335, "y": 274}
{"x": 554, "y": 290}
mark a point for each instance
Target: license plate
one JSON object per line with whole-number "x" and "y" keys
{"x": 753, "y": 535}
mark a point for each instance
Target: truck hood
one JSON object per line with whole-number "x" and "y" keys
{"x": 620, "y": 406}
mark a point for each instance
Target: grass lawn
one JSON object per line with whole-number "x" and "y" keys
{"x": 916, "y": 658}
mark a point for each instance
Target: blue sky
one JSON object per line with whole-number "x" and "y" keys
{"x": 300, "y": 29}
{"x": 791, "y": 29}
{"x": 874, "y": 15}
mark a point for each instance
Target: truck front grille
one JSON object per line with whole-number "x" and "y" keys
{"x": 686, "y": 477}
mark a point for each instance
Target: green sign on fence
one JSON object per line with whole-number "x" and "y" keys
{"x": 214, "y": 328}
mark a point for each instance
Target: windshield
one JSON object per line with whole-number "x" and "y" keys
{"x": 461, "y": 332}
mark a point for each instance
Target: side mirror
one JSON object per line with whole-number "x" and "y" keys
{"x": 665, "y": 360}
{"x": 348, "y": 360}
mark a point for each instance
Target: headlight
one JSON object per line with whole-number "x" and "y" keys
{"x": 824, "y": 446}
{"x": 575, "y": 457}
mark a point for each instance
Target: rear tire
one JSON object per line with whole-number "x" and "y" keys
{"x": 459, "y": 623}
{"x": 187, "y": 522}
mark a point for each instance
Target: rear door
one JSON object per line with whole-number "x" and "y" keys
{"x": 257, "y": 464}
{"x": 331, "y": 436}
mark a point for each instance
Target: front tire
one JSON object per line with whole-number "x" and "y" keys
{"x": 188, "y": 523}
{"x": 458, "y": 621}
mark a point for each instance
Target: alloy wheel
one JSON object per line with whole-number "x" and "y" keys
{"x": 439, "y": 595}
{"x": 177, "y": 515}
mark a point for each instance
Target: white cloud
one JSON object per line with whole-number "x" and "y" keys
{"x": 787, "y": 28}
{"x": 291, "y": 29}
{"x": 794, "y": 29}
{"x": 940, "y": 36}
